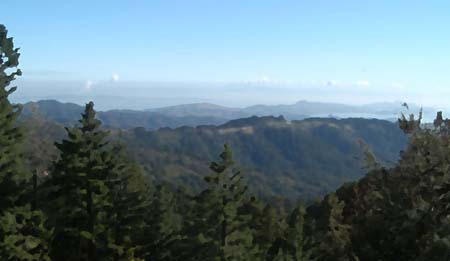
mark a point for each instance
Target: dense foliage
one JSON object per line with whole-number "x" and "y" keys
{"x": 306, "y": 159}
{"x": 22, "y": 233}
{"x": 93, "y": 202}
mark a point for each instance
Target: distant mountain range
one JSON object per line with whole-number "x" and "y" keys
{"x": 69, "y": 113}
{"x": 296, "y": 111}
{"x": 210, "y": 114}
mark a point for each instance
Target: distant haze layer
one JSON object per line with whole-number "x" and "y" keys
{"x": 117, "y": 94}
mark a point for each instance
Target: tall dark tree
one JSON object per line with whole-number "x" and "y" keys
{"x": 293, "y": 244}
{"x": 78, "y": 197}
{"x": 129, "y": 196}
{"x": 268, "y": 228}
{"x": 163, "y": 226}
{"x": 11, "y": 167}
{"x": 223, "y": 229}
{"x": 330, "y": 235}
{"x": 296, "y": 238}
{"x": 22, "y": 235}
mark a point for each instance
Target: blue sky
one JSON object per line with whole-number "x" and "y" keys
{"x": 267, "y": 51}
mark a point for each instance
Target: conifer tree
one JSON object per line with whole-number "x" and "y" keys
{"x": 330, "y": 236}
{"x": 292, "y": 244}
{"x": 78, "y": 194}
{"x": 22, "y": 235}
{"x": 129, "y": 198}
{"x": 295, "y": 235}
{"x": 11, "y": 167}
{"x": 164, "y": 224}
{"x": 268, "y": 229}
{"x": 223, "y": 229}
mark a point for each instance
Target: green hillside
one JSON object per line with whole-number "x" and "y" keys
{"x": 306, "y": 158}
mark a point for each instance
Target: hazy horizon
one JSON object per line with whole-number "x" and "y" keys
{"x": 150, "y": 54}
{"x": 147, "y": 95}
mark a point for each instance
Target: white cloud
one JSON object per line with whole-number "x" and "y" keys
{"x": 115, "y": 77}
{"x": 88, "y": 85}
{"x": 266, "y": 80}
{"x": 362, "y": 83}
{"x": 396, "y": 86}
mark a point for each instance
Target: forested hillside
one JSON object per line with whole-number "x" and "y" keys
{"x": 306, "y": 159}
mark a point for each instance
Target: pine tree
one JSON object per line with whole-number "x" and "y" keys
{"x": 78, "y": 196}
{"x": 164, "y": 225}
{"x": 330, "y": 236}
{"x": 295, "y": 236}
{"x": 130, "y": 198}
{"x": 291, "y": 245}
{"x": 11, "y": 168}
{"x": 223, "y": 229}
{"x": 22, "y": 235}
{"x": 268, "y": 229}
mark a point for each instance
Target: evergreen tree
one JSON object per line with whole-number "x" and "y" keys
{"x": 78, "y": 197}
{"x": 11, "y": 168}
{"x": 330, "y": 235}
{"x": 22, "y": 235}
{"x": 295, "y": 235}
{"x": 164, "y": 225}
{"x": 223, "y": 231}
{"x": 129, "y": 196}
{"x": 292, "y": 244}
{"x": 268, "y": 228}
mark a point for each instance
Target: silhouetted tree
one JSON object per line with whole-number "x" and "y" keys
{"x": 22, "y": 235}
{"x": 79, "y": 193}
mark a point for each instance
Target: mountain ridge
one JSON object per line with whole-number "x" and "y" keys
{"x": 196, "y": 114}
{"x": 291, "y": 158}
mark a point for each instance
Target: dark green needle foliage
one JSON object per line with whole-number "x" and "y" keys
{"x": 164, "y": 224}
{"x": 402, "y": 213}
{"x": 268, "y": 228}
{"x": 296, "y": 238}
{"x": 11, "y": 168}
{"x": 22, "y": 235}
{"x": 330, "y": 236}
{"x": 78, "y": 197}
{"x": 129, "y": 197}
{"x": 222, "y": 229}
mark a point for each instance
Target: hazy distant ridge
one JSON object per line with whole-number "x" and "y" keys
{"x": 211, "y": 114}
